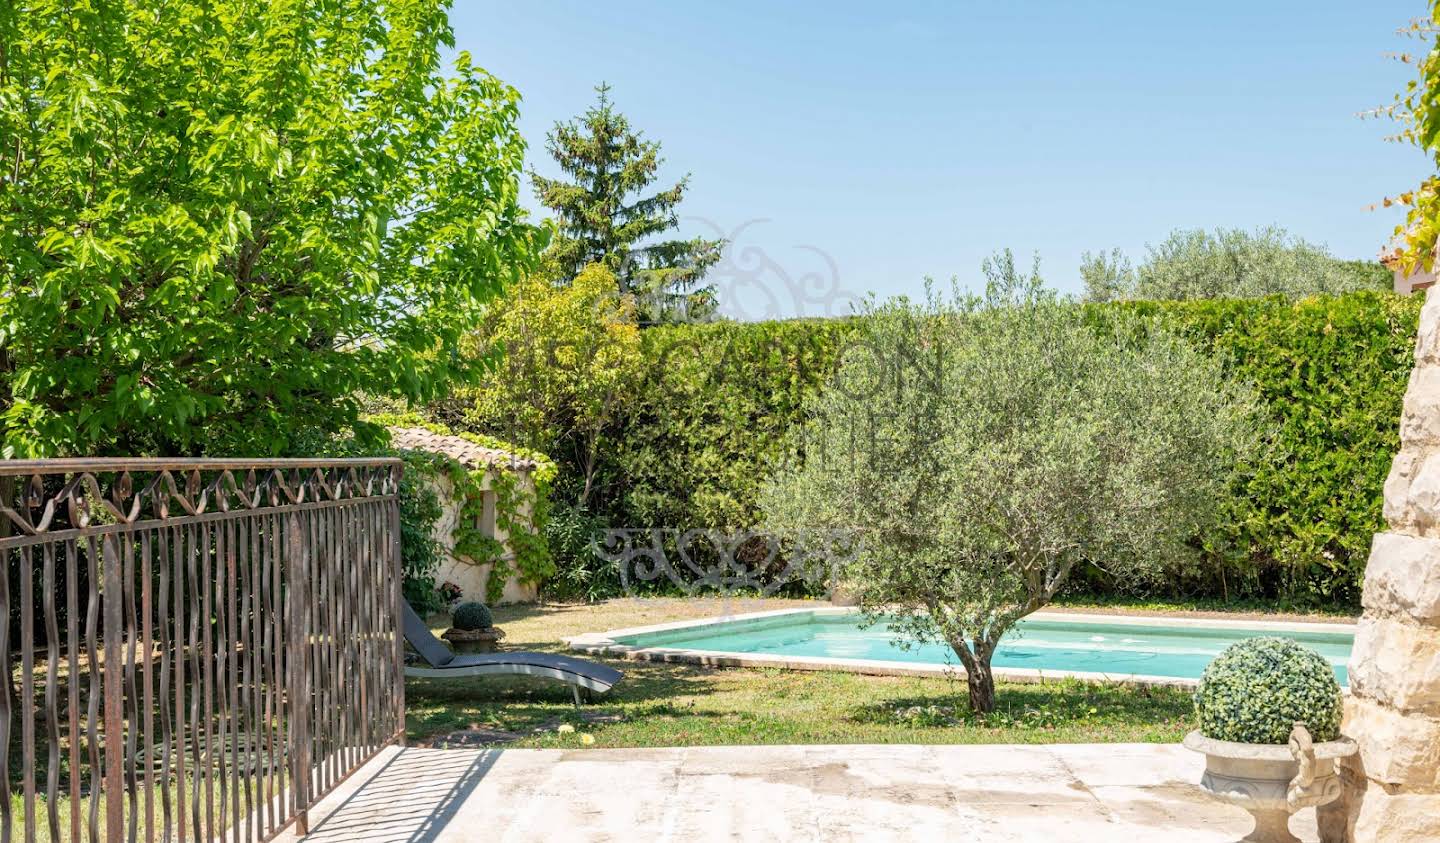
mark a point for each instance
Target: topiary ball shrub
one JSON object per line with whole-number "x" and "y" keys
{"x": 471, "y": 616}
{"x": 1256, "y": 690}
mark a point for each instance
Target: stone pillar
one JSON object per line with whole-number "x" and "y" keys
{"x": 1393, "y": 783}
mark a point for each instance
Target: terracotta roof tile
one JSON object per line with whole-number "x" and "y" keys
{"x": 461, "y": 450}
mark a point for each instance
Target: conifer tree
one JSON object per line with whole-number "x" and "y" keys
{"x": 604, "y": 218}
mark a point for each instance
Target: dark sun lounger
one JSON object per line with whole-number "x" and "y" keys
{"x": 442, "y": 663}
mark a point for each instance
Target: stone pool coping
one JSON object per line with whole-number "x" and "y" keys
{"x": 605, "y": 644}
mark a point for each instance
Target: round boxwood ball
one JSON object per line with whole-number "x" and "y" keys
{"x": 1257, "y": 689}
{"x": 471, "y": 616}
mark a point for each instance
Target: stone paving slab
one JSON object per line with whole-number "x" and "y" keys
{"x": 992, "y": 792}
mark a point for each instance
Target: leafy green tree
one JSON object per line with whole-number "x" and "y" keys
{"x": 1417, "y": 110}
{"x": 981, "y": 448}
{"x": 564, "y": 361}
{"x": 1227, "y": 263}
{"x": 221, "y": 220}
{"x": 604, "y": 220}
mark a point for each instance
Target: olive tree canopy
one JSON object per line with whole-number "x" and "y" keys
{"x": 1228, "y": 263}
{"x": 983, "y": 446}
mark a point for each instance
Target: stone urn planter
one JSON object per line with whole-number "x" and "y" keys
{"x": 1272, "y": 781}
{"x": 472, "y": 629}
{"x": 474, "y": 640}
{"x": 1259, "y": 705}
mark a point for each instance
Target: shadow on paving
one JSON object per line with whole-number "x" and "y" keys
{"x": 410, "y": 799}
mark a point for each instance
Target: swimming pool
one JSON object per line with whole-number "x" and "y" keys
{"x": 1045, "y": 644}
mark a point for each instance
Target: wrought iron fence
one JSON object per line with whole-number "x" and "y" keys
{"x": 193, "y": 649}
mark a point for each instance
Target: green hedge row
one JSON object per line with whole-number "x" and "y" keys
{"x": 1333, "y": 373}
{"x": 717, "y": 399}
{"x": 711, "y": 413}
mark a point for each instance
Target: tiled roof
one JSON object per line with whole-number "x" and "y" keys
{"x": 461, "y": 450}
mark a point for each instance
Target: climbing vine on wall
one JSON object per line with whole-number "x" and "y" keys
{"x": 521, "y": 508}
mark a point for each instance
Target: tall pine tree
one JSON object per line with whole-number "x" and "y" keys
{"x": 604, "y": 219}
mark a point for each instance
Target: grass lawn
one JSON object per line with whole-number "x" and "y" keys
{"x": 682, "y": 705}
{"x": 1207, "y": 607}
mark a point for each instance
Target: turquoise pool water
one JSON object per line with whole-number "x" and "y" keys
{"x": 1171, "y": 651}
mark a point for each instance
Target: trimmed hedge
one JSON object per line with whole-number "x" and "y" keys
{"x": 717, "y": 398}
{"x": 711, "y": 414}
{"x": 1333, "y": 373}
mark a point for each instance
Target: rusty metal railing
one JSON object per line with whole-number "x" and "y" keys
{"x": 193, "y": 649}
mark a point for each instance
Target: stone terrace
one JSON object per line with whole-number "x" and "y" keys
{"x": 993, "y": 792}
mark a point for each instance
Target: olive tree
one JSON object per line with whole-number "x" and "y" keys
{"x": 1228, "y": 263}
{"x": 981, "y": 447}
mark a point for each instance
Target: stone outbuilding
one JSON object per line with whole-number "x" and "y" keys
{"x": 470, "y": 574}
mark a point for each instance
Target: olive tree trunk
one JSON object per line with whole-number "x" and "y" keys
{"x": 979, "y": 676}
{"x": 982, "y": 687}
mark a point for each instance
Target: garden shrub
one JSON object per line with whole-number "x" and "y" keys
{"x": 471, "y": 616}
{"x": 716, "y": 399}
{"x": 580, "y": 575}
{"x": 1256, "y": 690}
{"x": 705, "y": 424}
{"x": 563, "y": 364}
{"x": 1228, "y": 263}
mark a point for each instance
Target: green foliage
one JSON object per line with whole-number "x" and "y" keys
{"x": 715, "y": 401}
{"x": 529, "y": 557}
{"x": 1417, "y": 110}
{"x": 222, "y": 220}
{"x": 685, "y": 442}
{"x": 1257, "y": 689}
{"x": 522, "y": 506}
{"x": 982, "y": 447}
{"x": 1368, "y": 275}
{"x": 1331, "y": 373}
{"x": 1107, "y": 277}
{"x": 604, "y": 221}
{"x": 471, "y": 616}
{"x": 580, "y": 574}
{"x": 568, "y": 359}
{"x": 710, "y": 417}
{"x": 419, "y": 552}
{"x": 1227, "y": 263}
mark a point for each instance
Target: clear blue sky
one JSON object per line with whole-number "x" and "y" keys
{"x": 897, "y": 140}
